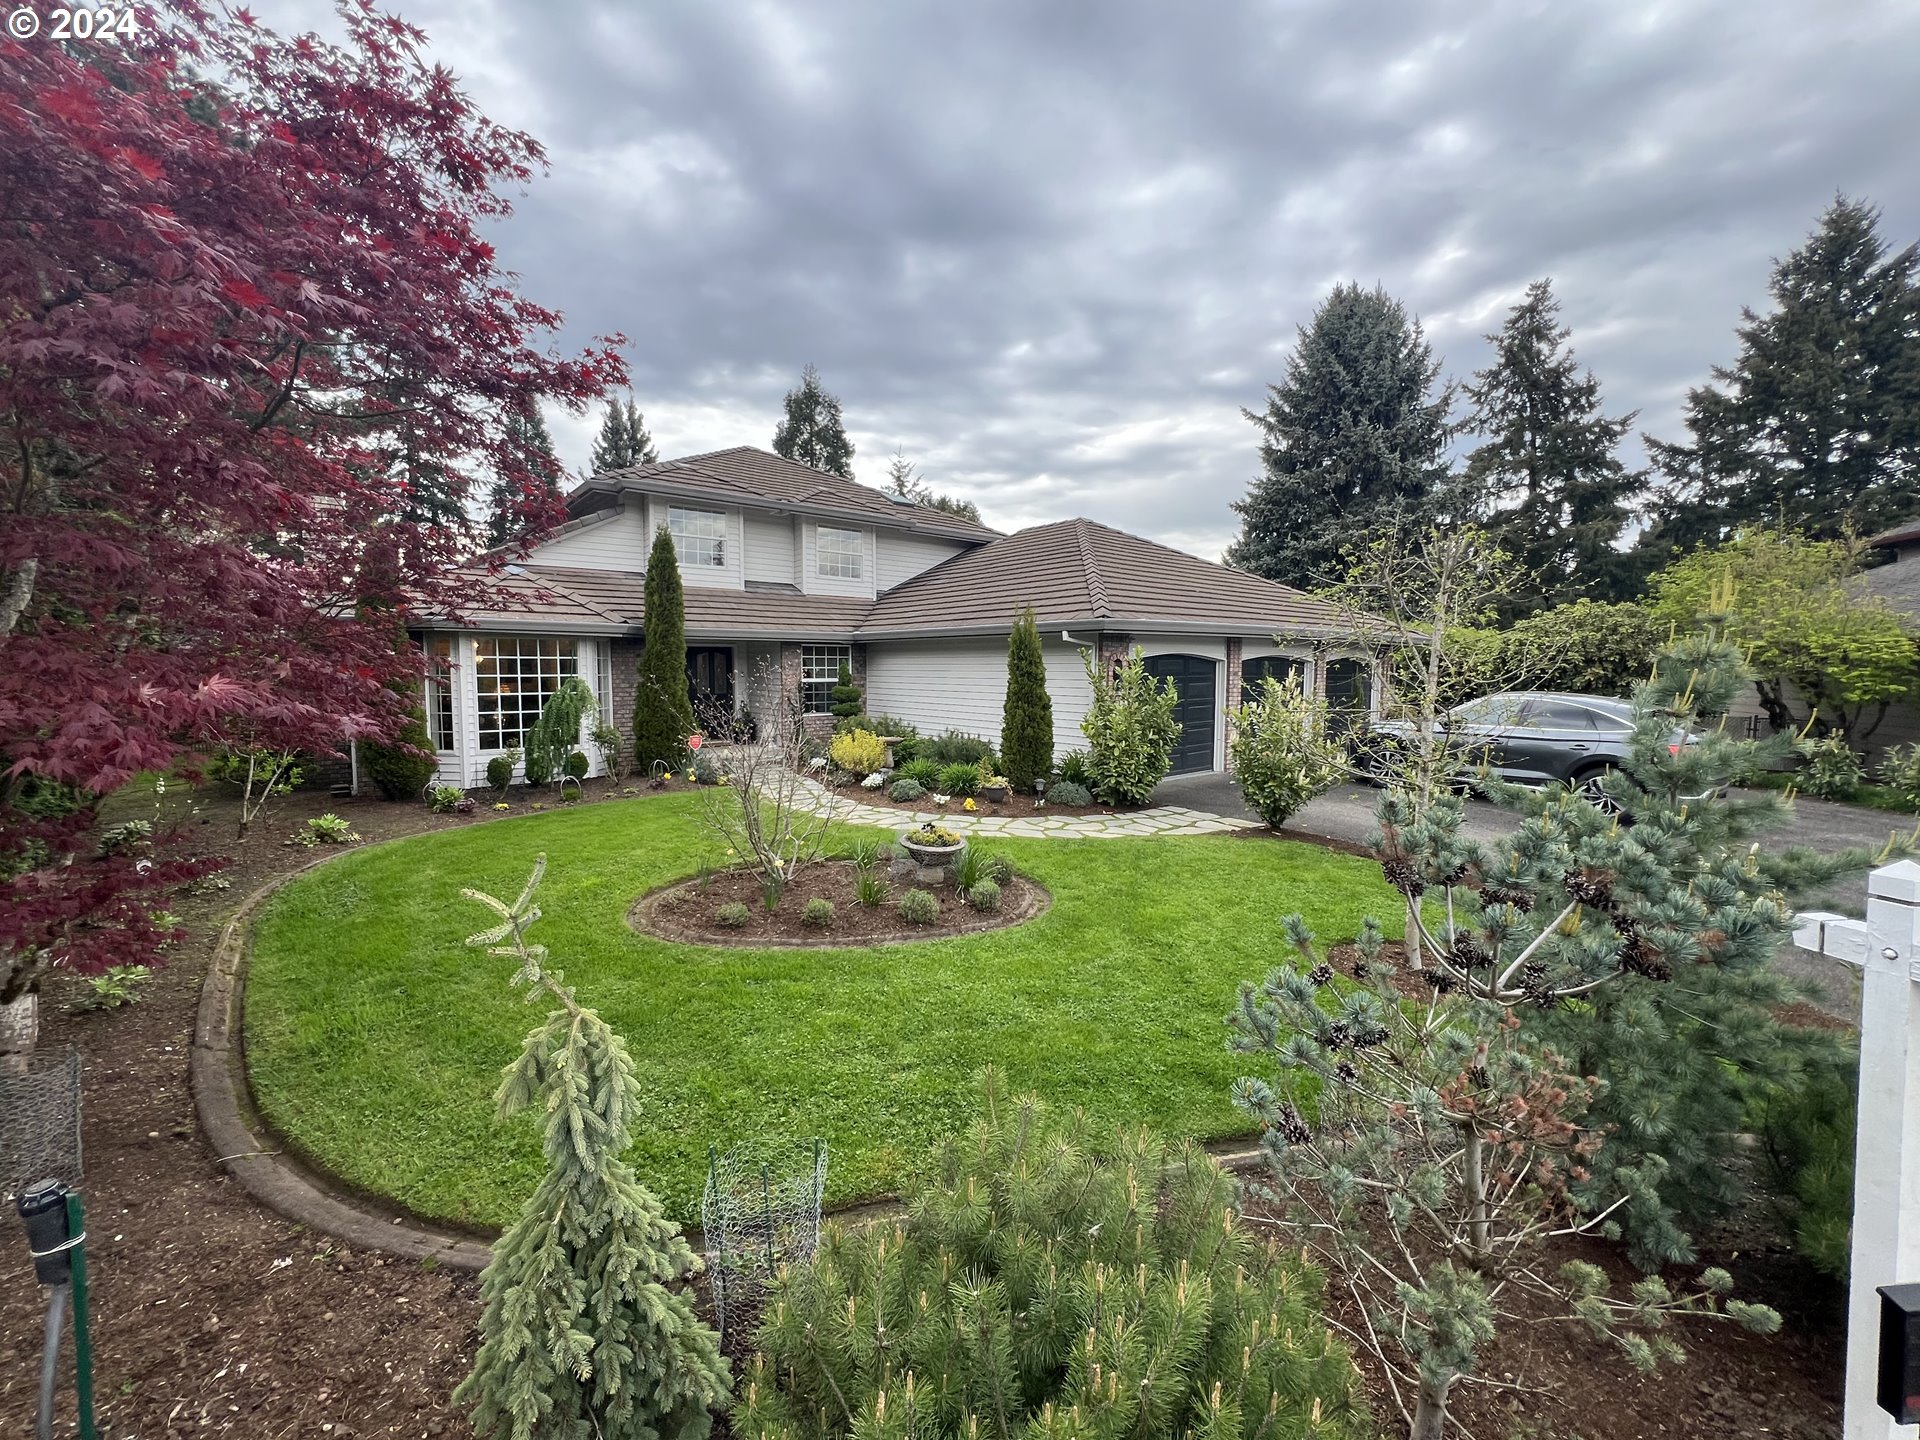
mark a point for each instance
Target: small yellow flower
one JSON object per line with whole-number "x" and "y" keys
{"x": 502, "y": 805}
{"x": 969, "y": 805}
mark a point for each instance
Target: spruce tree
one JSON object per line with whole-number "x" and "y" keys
{"x": 514, "y": 502}
{"x": 588, "y": 1328}
{"x": 902, "y": 481}
{"x": 1547, "y": 477}
{"x": 623, "y": 439}
{"x": 1816, "y": 425}
{"x": 1353, "y": 440}
{"x": 662, "y": 703}
{"x": 1026, "y": 720}
{"x": 812, "y": 432}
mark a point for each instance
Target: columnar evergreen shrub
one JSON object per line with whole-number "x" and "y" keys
{"x": 1282, "y": 750}
{"x": 1130, "y": 729}
{"x": 588, "y": 1327}
{"x": 662, "y": 706}
{"x": 1026, "y": 720}
{"x": 1052, "y": 1281}
{"x": 402, "y": 769}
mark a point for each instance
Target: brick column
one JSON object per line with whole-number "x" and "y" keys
{"x": 1113, "y": 650}
{"x": 623, "y": 659}
{"x": 1231, "y": 685}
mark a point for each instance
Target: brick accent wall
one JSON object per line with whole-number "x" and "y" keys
{"x": 1230, "y": 683}
{"x": 623, "y": 658}
{"x": 819, "y": 727}
{"x": 1114, "y": 649}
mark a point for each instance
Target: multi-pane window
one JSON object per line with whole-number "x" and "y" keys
{"x": 603, "y": 683}
{"x": 515, "y": 676}
{"x": 439, "y": 650}
{"x": 820, "y": 667}
{"x": 843, "y": 554}
{"x": 699, "y": 537}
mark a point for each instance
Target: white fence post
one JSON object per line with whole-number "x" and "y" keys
{"x": 1886, "y": 1157}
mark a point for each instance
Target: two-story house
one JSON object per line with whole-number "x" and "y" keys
{"x": 791, "y": 573}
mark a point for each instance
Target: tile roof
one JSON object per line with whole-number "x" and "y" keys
{"x": 744, "y": 475}
{"x": 1073, "y": 572}
{"x": 1083, "y": 571}
{"x": 1897, "y": 583}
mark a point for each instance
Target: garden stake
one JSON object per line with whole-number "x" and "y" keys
{"x": 82, "y": 1335}
{"x": 56, "y": 1237}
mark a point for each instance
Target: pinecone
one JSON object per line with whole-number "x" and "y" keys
{"x": 1345, "y": 1071}
{"x": 1478, "y": 1074}
{"x": 1293, "y": 1129}
{"x": 1466, "y": 955}
{"x": 1534, "y": 986}
{"x": 1335, "y": 1036}
{"x": 1441, "y": 982}
{"x": 1590, "y": 887}
{"x": 1321, "y": 974}
{"x": 1403, "y": 875}
{"x": 1367, "y": 1039}
{"x": 1454, "y": 876}
{"x": 1642, "y": 959}
{"x": 1361, "y": 970}
{"x": 1500, "y": 895}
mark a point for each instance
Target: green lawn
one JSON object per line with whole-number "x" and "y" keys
{"x": 375, "y": 1038}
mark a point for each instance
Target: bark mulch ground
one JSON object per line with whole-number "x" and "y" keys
{"x": 214, "y": 1317}
{"x": 689, "y": 912}
{"x": 1014, "y": 807}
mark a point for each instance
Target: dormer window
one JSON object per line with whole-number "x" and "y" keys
{"x": 843, "y": 554}
{"x": 699, "y": 537}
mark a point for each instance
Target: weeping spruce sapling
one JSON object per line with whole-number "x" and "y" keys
{"x": 589, "y": 1331}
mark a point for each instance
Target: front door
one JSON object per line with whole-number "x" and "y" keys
{"x": 710, "y": 687}
{"x": 1193, "y": 678}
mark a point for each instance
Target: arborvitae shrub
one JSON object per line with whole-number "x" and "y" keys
{"x": 662, "y": 708}
{"x": 1026, "y": 720}
{"x": 1049, "y": 1270}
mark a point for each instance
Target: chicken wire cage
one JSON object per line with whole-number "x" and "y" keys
{"x": 759, "y": 1212}
{"x": 39, "y": 1118}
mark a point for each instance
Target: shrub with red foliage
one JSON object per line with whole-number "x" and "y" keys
{"x": 254, "y": 358}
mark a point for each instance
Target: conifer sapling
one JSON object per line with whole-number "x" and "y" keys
{"x": 588, "y": 1330}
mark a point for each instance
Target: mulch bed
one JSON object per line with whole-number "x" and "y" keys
{"x": 686, "y": 912}
{"x": 212, "y": 1316}
{"x": 1574, "y": 1385}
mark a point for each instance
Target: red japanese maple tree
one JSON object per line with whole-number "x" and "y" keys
{"x": 254, "y": 357}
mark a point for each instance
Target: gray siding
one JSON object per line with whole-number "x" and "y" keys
{"x": 770, "y": 549}
{"x": 961, "y": 685}
{"x": 902, "y": 557}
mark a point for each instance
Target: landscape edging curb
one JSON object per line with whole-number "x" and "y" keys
{"x": 284, "y": 1186}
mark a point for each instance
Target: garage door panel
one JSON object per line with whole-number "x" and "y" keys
{"x": 1195, "y": 678}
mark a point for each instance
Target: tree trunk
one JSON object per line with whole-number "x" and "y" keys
{"x": 1430, "y": 1413}
{"x": 19, "y": 1032}
{"x": 1478, "y": 1228}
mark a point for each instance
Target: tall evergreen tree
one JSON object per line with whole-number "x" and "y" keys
{"x": 1547, "y": 478}
{"x": 812, "y": 432}
{"x": 589, "y": 1327}
{"x": 902, "y": 481}
{"x": 1816, "y": 425}
{"x": 1026, "y": 720}
{"x": 513, "y": 505}
{"x": 623, "y": 439}
{"x": 1353, "y": 440}
{"x": 662, "y": 704}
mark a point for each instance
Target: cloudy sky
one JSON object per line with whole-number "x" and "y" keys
{"x": 1050, "y": 248}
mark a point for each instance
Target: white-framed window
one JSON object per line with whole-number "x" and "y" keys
{"x": 842, "y": 554}
{"x": 516, "y": 675}
{"x": 603, "y": 683}
{"x": 439, "y": 650}
{"x": 820, "y": 667}
{"x": 699, "y": 537}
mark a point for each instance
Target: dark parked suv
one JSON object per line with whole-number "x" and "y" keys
{"x": 1535, "y": 736}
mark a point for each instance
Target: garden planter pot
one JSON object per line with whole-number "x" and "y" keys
{"x": 925, "y": 854}
{"x": 995, "y": 793}
{"x": 920, "y": 863}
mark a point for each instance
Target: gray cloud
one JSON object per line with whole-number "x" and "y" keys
{"x": 1051, "y": 250}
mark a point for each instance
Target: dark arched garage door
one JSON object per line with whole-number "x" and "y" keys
{"x": 1193, "y": 677}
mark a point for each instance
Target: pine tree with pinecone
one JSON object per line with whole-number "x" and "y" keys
{"x": 528, "y": 501}
{"x": 662, "y": 703}
{"x": 812, "y": 432}
{"x": 588, "y": 1328}
{"x": 1026, "y": 720}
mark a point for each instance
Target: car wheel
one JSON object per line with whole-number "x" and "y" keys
{"x": 1589, "y": 786}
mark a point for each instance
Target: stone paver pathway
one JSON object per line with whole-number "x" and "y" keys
{"x": 1036, "y": 824}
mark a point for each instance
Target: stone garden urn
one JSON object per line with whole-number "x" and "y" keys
{"x": 927, "y": 854}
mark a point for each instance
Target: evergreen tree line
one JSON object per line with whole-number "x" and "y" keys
{"x": 1814, "y": 428}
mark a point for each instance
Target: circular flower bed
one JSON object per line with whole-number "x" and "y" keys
{"x": 706, "y": 911}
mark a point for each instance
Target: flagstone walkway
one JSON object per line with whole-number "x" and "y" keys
{"x": 1037, "y": 824}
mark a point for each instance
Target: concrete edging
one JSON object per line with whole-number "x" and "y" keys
{"x": 280, "y": 1182}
